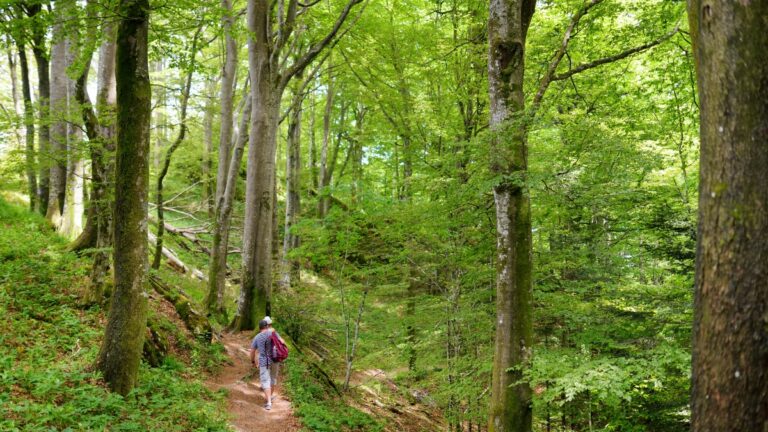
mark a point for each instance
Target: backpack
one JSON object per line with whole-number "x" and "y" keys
{"x": 278, "y": 352}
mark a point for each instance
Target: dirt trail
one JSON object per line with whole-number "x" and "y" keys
{"x": 246, "y": 400}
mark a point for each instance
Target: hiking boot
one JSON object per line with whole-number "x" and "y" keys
{"x": 268, "y": 406}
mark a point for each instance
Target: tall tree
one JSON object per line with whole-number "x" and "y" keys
{"x": 29, "y": 126}
{"x": 215, "y": 299}
{"x": 34, "y": 11}
{"x": 730, "y": 344}
{"x": 74, "y": 197}
{"x": 218, "y": 265}
{"x": 100, "y": 129}
{"x": 508, "y": 23}
{"x": 57, "y": 110}
{"x": 207, "y": 165}
{"x": 270, "y": 31}
{"x": 290, "y": 271}
{"x": 124, "y": 336}
{"x": 323, "y": 203}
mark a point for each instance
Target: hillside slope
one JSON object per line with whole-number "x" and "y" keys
{"x": 48, "y": 344}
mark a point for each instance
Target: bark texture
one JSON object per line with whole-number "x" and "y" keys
{"x": 730, "y": 346}
{"x": 124, "y": 336}
{"x": 510, "y": 409}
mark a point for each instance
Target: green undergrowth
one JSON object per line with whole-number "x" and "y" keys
{"x": 319, "y": 408}
{"x": 48, "y": 345}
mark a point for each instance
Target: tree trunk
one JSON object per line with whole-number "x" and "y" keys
{"x": 256, "y": 290}
{"x": 313, "y": 171}
{"x": 510, "y": 408}
{"x": 43, "y": 130}
{"x": 160, "y": 113}
{"x": 15, "y": 95}
{"x": 730, "y": 344}
{"x": 29, "y": 125}
{"x": 350, "y": 357}
{"x": 289, "y": 266}
{"x": 323, "y": 202}
{"x": 356, "y": 147}
{"x": 207, "y": 165}
{"x": 102, "y": 166}
{"x": 214, "y": 301}
{"x": 227, "y": 100}
{"x": 124, "y": 336}
{"x": 74, "y": 202}
{"x": 58, "y": 112}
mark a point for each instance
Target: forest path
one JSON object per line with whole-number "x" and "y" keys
{"x": 246, "y": 399}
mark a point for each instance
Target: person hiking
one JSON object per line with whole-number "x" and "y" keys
{"x": 260, "y": 345}
{"x": 274, "y": 367}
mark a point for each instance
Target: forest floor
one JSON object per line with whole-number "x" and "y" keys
{"x": 246, "y": 398}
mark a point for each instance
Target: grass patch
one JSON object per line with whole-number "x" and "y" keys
{"x": 320, "y": 410}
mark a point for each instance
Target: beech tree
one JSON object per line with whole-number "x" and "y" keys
{"x": 100, "y": 130}
{"x": 120, "y": 353}
{"x": 57, "y": 109}
{"x": 270, "y": 33}
{"x": 214, "y": 301}
{"x": 730, "y": 344}
{"x": 508, "y": 24}
{"x": 39, "y": 18}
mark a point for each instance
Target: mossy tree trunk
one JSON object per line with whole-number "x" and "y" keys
{"x": 124, "y": 336}
{"x": 730, "y": 344}
{"x": 510, "y": 409}
{"x": 102, "y": 168}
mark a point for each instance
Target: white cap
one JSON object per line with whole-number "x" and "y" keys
{"x": 268, "y": 320}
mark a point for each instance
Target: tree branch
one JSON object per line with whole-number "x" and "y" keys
{"x": 315, "y": 49}
{"x": 285, "y": 27}
{"x": 547, "y": 78}
{"x": 299, "y": 96}
{"x": 610, "y": 59}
